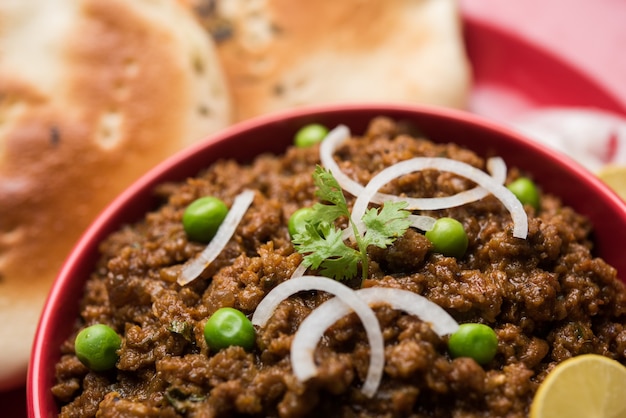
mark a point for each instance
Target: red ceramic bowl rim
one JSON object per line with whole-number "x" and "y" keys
{"x": 38, "y": 387}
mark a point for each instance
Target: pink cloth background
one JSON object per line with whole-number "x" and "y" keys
{"x": 588, "y": 34}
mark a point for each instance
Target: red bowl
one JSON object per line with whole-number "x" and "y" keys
{"x": 555, "y": 173}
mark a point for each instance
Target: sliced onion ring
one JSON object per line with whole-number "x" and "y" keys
{"x": 495, "y": 165}
{"x": 412, "y": 303}
{"x": 329, "y": 145}
{"x": 508, "y": 199}
{"x": 348, "y": 297}
{"x": 299, "y": 271}
{"x": 422, "y": 222}
{"x": 194, "y": 267}
{"x": 315, "y": 325}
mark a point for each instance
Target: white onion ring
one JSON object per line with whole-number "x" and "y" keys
{"x": 194, "y": 267}
{"x": 327, "y": 148}
{"x": 315, "y": 325}
{"x": 412, "y": 303}
{"x": 348, "y": 297}
{"x": 422, "y": 222}
{"x": 495, "y": 165}
{"x": 508, "y": 199}
{"x": 299, "y": 271}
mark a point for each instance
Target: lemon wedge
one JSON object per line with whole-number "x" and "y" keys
{"x": 615, "y": 177}
{"x": 589, "y": 386}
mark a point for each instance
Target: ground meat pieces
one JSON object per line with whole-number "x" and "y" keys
{"x": 407, "y": 253}
{"x": 547, "y": 298}
{"x": 114, "y": 405}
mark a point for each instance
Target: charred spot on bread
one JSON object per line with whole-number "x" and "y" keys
{"x": 278, "y": 90}
{"x": 204, "y": 110}
{"x": 55, "y": 136}
{"x": 221, "y": 30}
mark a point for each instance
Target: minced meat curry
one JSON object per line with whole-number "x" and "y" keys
{"x": 546, "y": 297}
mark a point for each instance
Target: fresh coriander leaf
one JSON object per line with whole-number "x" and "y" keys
{"x": 340, "y": 268}
{"x": 328, "y": 189}
{"x": 325, "y": 250}
{"x": 386, "y": 224}
{"x": 325, "y": 213}
{"x": 322, "y": 243}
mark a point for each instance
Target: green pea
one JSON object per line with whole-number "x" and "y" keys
{"x": 298, "y": 220}
{"x": 203, "y": 217}
{"x": 96, "y": 347}
{"x": 228, "y": 326}
{"x": 526, "y": 191}
{"x": 310, "y": 135}
{"x": 448, "y": 237}
{"x": 477, "y": 341}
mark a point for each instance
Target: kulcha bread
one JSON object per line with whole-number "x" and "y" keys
{"x": 281, "y": 54}
{"x": 92, "y": 95}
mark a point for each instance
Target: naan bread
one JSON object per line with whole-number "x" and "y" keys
{"x": 92, "y": 95}
{"x": 281, "y": 54}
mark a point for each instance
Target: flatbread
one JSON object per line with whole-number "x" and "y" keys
{"x": 92, "y": 94}
{"x": 281, "y": 54}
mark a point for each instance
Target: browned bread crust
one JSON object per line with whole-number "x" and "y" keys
{"x": 92, "y": 95}
{"x": 281, "y": 54}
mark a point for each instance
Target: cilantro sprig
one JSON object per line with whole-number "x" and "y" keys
{"x": 321, "y": 242}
